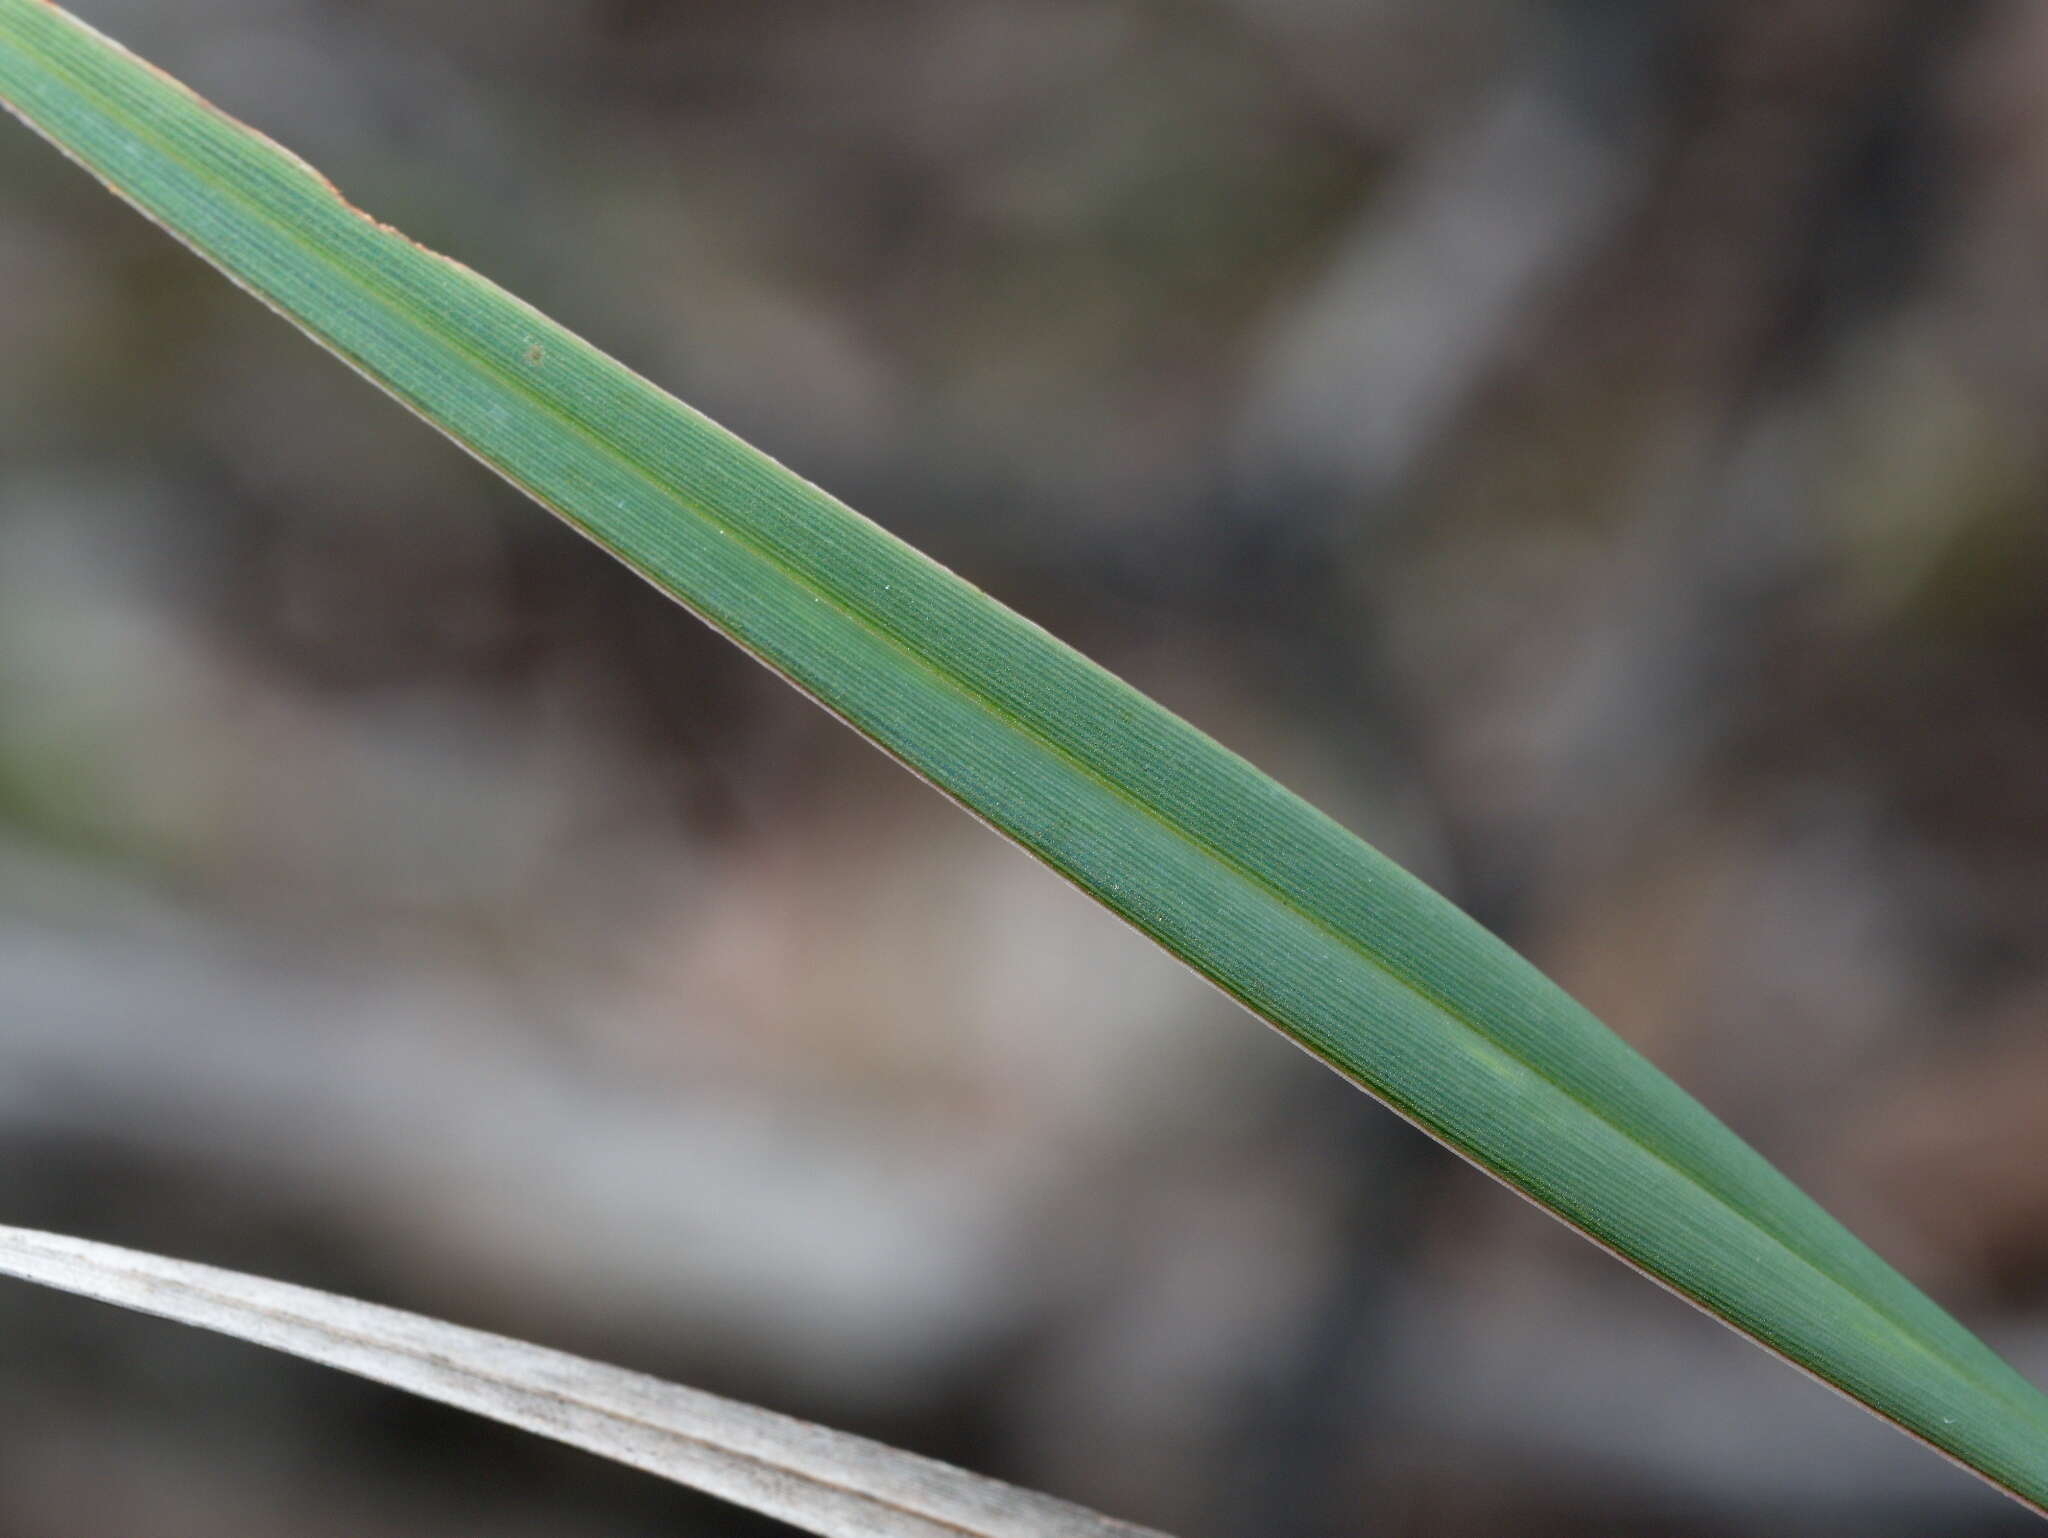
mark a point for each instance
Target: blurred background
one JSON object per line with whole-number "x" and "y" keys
{"x": 1594, "y": 448}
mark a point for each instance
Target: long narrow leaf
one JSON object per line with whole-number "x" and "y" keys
{"x": 1282, "y": 908}
{"x": 821, "y": 1480}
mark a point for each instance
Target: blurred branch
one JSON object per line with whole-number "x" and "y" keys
{"x": 1371, "y": 365}
{"x": 406, "y": 1102}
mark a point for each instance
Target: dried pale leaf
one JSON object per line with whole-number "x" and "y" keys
{"x": 825, "y": 1481}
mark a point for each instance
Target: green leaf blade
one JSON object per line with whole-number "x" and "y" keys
{"x": 1279, "y": 906}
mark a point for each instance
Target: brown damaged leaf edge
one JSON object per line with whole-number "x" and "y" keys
{"x": 1317, "y": 933}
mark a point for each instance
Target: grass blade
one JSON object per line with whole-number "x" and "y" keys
{"x": 824, "y": 1481}
{"x": 1287, "y": 912}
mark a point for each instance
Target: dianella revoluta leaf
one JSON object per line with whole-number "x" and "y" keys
{"x": 820, "y": 1480}
{"x": 1289, "y": 913}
